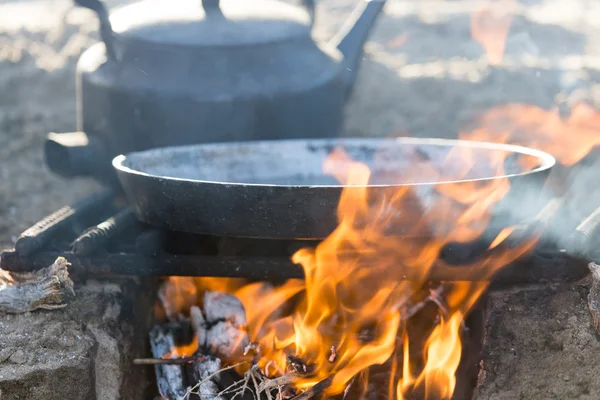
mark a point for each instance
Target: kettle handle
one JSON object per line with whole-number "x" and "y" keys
{"x": 106, "y": 32}
{"x": 213, "y": 5}
{"x": 310, "y": 8}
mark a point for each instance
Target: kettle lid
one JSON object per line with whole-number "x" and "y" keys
{"x": 210, "y": 22}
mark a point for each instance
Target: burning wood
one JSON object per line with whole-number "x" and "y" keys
{"x": 333, "y": 355}
{"x": 220, "y": 306}
{"x": 278, "y": 382}
{"x": 356, "y": 310}
{"x": 205, "y": 373}
{"x": 252, "y": 347}
{"x": 226, "y": 340}
{"x": 168, "y": 377}
{"x": 199, "y": 325}
{"x": 226, "y": 318}
{"x": 315, "y": 390}
{"x": 221, "y": 339}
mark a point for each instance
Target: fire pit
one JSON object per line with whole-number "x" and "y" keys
{"x": 363, "y": 309}
{"x": 473, "y": 290}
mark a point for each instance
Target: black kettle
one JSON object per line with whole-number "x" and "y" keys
{"x": 188, "y": 71}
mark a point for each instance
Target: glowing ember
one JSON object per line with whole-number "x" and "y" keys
{"x": 183, "y": 351}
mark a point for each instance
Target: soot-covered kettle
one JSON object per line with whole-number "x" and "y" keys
{"x": 189, "y": 71}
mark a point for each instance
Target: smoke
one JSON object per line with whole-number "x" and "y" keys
{"x": 577, "y": 190}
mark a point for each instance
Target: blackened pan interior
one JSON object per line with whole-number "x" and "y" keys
{"x": 292, "y": 163}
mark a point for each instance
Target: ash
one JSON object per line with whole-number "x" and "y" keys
{"x": 220, "y": 306}
{"x": 226, "y": 340}
{"x": 203, "y": 372}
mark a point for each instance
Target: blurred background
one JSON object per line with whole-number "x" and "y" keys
{"x": 430, "y": 68}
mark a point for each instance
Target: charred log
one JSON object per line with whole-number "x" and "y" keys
{"x": 226, "y": 317}
{"x": 206, "y": 373}
{"x": 169, "y": 378}
{"x": 198, "y": 325}
{"x": 47, "y": 289}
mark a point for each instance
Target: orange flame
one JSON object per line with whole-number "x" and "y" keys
{"x": 182, "y": 351}
{"x": 569, "y": 139}
{"x": 490, "y": 25}
{"x": 354, "y": 278}
{"x": 355, "y": 297}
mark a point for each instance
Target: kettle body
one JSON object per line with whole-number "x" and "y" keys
{"x": 145, "y": 89}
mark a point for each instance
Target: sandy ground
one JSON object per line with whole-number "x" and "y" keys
{"x": 540, "y": 345}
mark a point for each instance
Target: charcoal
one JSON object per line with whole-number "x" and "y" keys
{"x": 169, "y": 378}
{"x": 199, "y": 325}
{"x": 205, "y": 372}
{"x": 220, "y": 306}
{"x": 226, "y": 340}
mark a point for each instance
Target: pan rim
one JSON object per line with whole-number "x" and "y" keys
{"x": 547, "y": 161}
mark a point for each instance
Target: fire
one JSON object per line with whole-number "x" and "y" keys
{"x": 356, "y": 312}
{"x": 490, "y": 25}
{"x": 182, "y": 351}
{"x": 353, "y": 311}
{"x": 568, "y": 139}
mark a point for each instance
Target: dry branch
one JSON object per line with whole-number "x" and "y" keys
{"x": 48, "y": 289}
{"x": 212, "y": 378}
{"x": 167, "y": 361}
{"x": 205, "y": 372}
{"x": 315, "y": 390}
{"x": 274, "y": 383}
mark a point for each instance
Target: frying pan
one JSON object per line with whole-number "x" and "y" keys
{"x": 277, "y": 189}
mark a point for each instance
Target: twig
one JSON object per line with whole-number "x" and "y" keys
{"x": 244, "y": 386}
{"x": 333, "y": 354}
{"x": 178, "y": 361}
{"x": 434, "y": 296}
{"x": 256, "y": 386}
{"x": 266, "y": 372}
{"x": 230, "y": 389}
{"x": 347, "y": 389}
{"x": 246, "y": 382}
{"x": 282, "y": 380}
{"x": 168, "y": 361}
{"x": 297, "y": 365}
{"x": 315, "y": 390}
{"x": 252, "y": 346}
{"x": 208, "y": 378}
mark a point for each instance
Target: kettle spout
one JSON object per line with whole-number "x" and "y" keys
{"x": 353, "y": 35}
